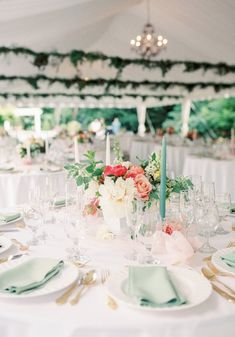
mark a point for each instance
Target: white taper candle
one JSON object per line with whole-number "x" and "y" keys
{"x": 107, "y": 156}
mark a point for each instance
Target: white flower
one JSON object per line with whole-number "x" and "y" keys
{"x": 93, "y": 188}
{"x": 104, "y": 233}
{"x": 73, "y": 127}
{"x": 127, "y": 164}
{"x": 116, "y": 196}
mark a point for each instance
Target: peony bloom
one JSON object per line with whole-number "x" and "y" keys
{"x": 117, "y": 171}
{"x": 116, "y": 196}
{"x": 134, "y": 171}
{"x": 143, "y": 187}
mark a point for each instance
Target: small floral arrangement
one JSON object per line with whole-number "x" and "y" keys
{"x": 84, "y": 137}
{"x": 37, "y": 146}
{"x": 73, "y": 128}
{"x": 113, "y": 188}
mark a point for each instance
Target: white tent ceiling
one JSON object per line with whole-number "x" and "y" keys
{"x": 197, "y": 30}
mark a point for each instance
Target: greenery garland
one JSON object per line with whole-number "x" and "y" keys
{"x": 76, "y": 57}
{"x": 84, "y": 96}
{"x": 115, "y": 83}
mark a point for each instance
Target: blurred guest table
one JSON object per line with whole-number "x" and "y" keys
{"x": 37, "y": 317}
{"x": 16, "y": 182}
{"x": 175, "y": 154}
{"x": 221, "y": 172}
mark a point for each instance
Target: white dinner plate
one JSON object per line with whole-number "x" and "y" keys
{"x": 5, "y": 244}
{"x": 64, "y": 279}
{"x": 219, "y": 263}
{"x": 193, "y": 286}
{"x": 2, "y": 223}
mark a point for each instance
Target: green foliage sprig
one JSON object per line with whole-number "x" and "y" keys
{"x": 81, "y": 83}
{"x": 76, "y": 57}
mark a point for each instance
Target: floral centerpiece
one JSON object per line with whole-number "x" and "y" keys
{"x": 113, "y": 188}
{"x": 36, "y": 146}
{"x": 84, "y": 137}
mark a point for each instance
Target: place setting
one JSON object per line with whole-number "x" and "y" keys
{"x": 117, "y": 162}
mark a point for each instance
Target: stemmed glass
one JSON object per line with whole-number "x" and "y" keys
{"x": 34, "y": 219}
{"x": 74, "y": 226}
{"x": 208, "y": 191}
{"x": 147, "y": 226}
{"x": 187, "y": 209}
{"x": 207, "y": 218}
{"x": 223, "y": 203}
{"x": 131, "y": 218}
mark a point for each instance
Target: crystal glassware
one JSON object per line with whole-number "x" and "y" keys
{"x": 207, "y": 219}
{"x": 223, "y": 203}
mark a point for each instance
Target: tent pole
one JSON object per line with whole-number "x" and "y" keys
{"x": 186, "y": 107}
{"x": 141, "y": 115}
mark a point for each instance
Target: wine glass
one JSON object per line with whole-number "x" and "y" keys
{"x": 208, "y": 191}
{"x": 131, "y": 219}
{"x": 187, "y": 209}
{"x": 147, "y": 226}
{"x": 34, "y": 220}
{"x": 223, "y": 203}
{"x": 207, "y": 218}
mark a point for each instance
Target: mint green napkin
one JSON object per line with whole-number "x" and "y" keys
{"x": 30, "y": 275}
{"x": 6, "y": 169}
{"x": 9, "y": 217}
{"x": 59, "y": 202}
{"x": 152, "y": 287}
{"x": 229, "y": 259}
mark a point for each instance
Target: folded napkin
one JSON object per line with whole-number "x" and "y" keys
{"x": 152, "y": 287}
{"x": 232, "y": 210}
{"x": 30, "y": 275}
{"x": 229, "y": 259}
{"x": 6, "y": 169}
{"x": 59, "y": 202}
{"x": 9, "y": 217}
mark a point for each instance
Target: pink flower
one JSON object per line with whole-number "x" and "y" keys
{"x": 168, "y": 229}
{"x": 134, "y": 171}
{"x": 92, "y": 207}
{"x": 117, "y": 171}
{"x": 143, "y": 186}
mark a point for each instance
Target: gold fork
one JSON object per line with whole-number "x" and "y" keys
{"x": 21, "y": 245}
{"x": 110, "y": 301}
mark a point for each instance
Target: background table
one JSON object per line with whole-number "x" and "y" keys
{"x": 175, "y": 154}
{"x": 93, "y": 318}
{"x": 14, "y": 187}
{"x": 221, "y": 172}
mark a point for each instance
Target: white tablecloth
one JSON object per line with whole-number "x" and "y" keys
{"x": 14, "y": 187}
{"x": 221, "y": 172}
{"x": 175, "y": 154}
{"x": 93, "y": 318}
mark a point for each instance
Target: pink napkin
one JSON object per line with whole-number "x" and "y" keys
{"x": 175, "y": 246}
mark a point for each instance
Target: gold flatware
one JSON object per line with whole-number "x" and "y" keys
{"x": 20, "y": 245}
{"x": 88, "y": 280}
{"x": 80, "y": 264}
{"x": 10, "y": 257}
{"x": 233, "y": 227}
{"x": 217, "y": 271}
{"x": 110, "y": 301}
{"x": 212, "y": 277}
{"x": 20, "y": 225}
{"x": 231, "y": 244}
{"x": 223, "y": 293}
{"x": 65, "y": 296}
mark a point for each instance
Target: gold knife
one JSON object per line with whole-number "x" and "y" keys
{"x": 223, "y": 293}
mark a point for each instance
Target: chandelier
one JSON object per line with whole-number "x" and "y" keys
{"x": 149, "y": 44}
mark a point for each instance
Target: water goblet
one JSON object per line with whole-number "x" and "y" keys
{"x": 207, "y": 219}
{"x": 223, "y": 203}
{"x": 33, "y": 221}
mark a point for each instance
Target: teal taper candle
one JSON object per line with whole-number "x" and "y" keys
{"x": 163, "y": 180}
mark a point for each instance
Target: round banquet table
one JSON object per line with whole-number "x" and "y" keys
{"x": 92, "y": 317}
{"x": 175, "y": 154}
{"x": 221, "y": 172}
{"x": 15, "y": 185}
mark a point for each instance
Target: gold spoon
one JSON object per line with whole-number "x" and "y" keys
{"x": 88, "y": 280}
{"x": 212, "y": 277}
{"x": 21, "y": 245}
